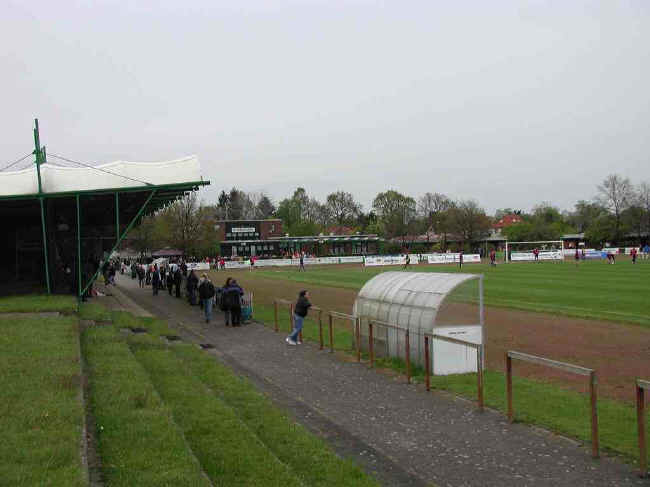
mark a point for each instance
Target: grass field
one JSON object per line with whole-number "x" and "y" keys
{"x": 593, "y": 290}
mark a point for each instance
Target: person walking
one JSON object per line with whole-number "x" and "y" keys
{"x": 192, "y": 285}
{"x": 299, "y": 314}
{"x": 232, "y": 297}
{"x": 536, "y": 254}
{"x": 140, "y": 270}
{"x": 577, "y": 256}
{"x": 206, "y": 294}
{"x": 178, "y": 280}
{"x": 302, "y": 263}
{"x": 155, "y": 280}
{"x": 460, "y": 259}
{"x": 633, "y": 254}
{"x": 170, "y": 281}
{"x": 407, "y": 262}
{"x": 493, "y": 258}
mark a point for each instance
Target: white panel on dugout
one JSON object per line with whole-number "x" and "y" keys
{"x": 450, "y": 358}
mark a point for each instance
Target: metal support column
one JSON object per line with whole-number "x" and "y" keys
{"x": 40, "y": 159}
{"x": 78, "y": 247}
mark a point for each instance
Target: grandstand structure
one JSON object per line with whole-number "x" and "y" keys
{"x": 63, "y": 220}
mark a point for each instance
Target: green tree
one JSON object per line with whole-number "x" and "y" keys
{"x": 615, "y": 194}
{"x": 342, "y": 207}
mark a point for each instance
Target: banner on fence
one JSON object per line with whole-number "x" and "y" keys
{"x": 346, "y": 259}
{"x": 389, "y": 260}
{"x": 453, "y": 258}
{"x": 543, "y": 255}
{"x": 198, "y": 266}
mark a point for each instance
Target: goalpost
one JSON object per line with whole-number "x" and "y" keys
{"x": 547, "y": 250}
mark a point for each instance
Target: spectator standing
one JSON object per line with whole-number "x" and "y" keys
{"x": 300, "y": 313}
{"x": 232, "y": 296}
{"x": 192, "y": 286}
{"x": 178, "y": 280}
{"x": 206, "y": 294}
{"x": 460, "y": 259}
{"x": 155, "y": 280}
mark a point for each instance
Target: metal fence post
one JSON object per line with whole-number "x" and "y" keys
{"x": 320, "y": 328}
{"x": 509, "y": 385}
{"x": 479, "y": 373}
{"x": 594, "y": 415}
{"x": 407, "y": 356}
{"x": 640, "y": 420}
{"x": 428, "y": 362}
{"x": 331, "y": 335}
{"x": 358, "y": 331}
{"x": 275, "y": 306}
{"x": 370, "y": 345}
{"x": 290, "y": 318}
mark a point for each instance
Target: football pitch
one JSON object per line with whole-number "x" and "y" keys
{"x": 592, "y": 290}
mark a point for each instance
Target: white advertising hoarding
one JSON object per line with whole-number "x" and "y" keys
{"x": 453, "y": 258}
{"x": 543, "y": 255}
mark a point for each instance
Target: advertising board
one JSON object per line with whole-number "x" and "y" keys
{"x": 543, "y": 255}
{"x": 452, "y": 258}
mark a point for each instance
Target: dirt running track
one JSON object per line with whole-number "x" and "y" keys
{"x": 618, "y": 352}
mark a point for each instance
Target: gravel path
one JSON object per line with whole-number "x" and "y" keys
{"x": 434, "y": 436}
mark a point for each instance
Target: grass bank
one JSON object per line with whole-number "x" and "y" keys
{"x": 41, "y": 414}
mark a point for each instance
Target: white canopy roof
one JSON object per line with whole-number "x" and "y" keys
{"x": 57, "y": 179}
{"x": 410, "y": 300}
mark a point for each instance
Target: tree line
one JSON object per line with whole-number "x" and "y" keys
{"x": 619, "y": 209}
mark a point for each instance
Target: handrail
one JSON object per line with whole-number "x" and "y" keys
{"x": 576, "y": 369}
{"x": 345, "y": 316}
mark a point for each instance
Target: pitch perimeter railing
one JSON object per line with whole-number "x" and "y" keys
{"x": 641, "y": 386}
{"x": 574, "y": 369}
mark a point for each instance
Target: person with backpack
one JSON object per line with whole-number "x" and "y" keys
{"x": 299, "y": 314}
{"x": 206, "y": 294}
{"x": 232, "y": 299}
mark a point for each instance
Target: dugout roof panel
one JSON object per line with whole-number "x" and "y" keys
{"x": 409, "y": 300}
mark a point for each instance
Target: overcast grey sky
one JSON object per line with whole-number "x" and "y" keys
{"x": 509, "y": 103}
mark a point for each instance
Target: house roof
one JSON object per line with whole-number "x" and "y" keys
{"x": 507, "y": 220}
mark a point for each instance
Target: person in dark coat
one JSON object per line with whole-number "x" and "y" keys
{"x": 224, "y": 303}
{"x": 170, "y": 282}
{"x": 206, "y": 294}
{"x": 192, "y": 286}
{"x": 178, "y": 279}
{"x": 140, "y": 270}
{"x": 155, "y": 280}
{"x": 232, "y": 296}
{"x": 299, "y": 313}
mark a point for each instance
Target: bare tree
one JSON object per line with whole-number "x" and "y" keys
{"x": 184, "y": 222}
{"x": 469, "y": 221}
{"x": 431, "y": 207}
{"x": 643, "y": 197}
{"x": 342, "y": 207}
{"x": 615, "y": 194}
